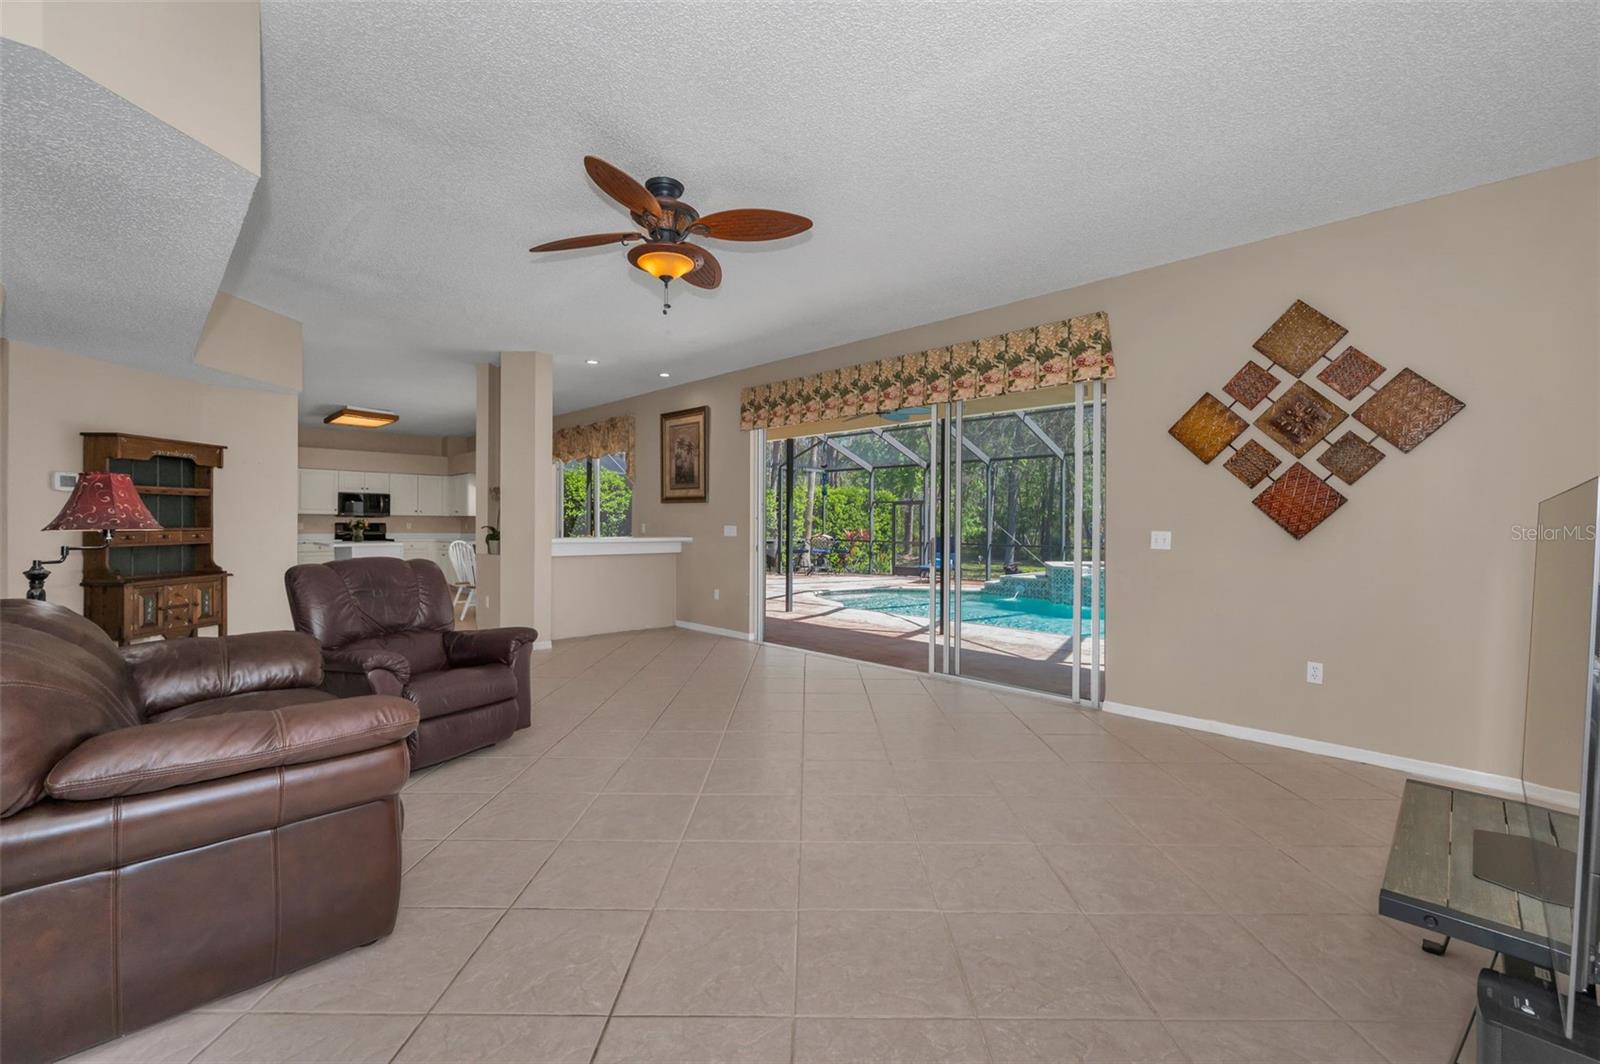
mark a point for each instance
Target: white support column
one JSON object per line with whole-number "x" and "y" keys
{"x": 527, "y": 484}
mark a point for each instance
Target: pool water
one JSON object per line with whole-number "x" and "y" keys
{"x": 977, "y": 607}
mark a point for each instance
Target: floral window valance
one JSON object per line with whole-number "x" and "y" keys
{"x": 595, "y": 440}
{"x": 1044, "y": 356}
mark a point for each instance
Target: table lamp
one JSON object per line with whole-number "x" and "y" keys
{"x": 101, "y": 502}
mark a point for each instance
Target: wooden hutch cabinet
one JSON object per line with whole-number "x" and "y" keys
{"x": 162, "y": 582}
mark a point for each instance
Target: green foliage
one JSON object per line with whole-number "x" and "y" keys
{"x": 616, "y": 501}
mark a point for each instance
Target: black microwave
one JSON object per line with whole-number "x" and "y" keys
{"x": 363, "y": 504}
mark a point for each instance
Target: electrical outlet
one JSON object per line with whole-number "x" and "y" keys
{"x": 1314, "y": 672}
{"x": 716, "y": 594}
{"x": 643, "y": 528}
{"x": 1160, "y": 540}
{"x": 730, "y": 530}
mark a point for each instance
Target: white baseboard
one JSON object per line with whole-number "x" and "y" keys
{"x": 544, "y": 644}
{"x": 1466, "y": 777}
{"x": 710, "y": 630}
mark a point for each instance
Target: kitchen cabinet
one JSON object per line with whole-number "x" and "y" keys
{"x": 403, "y": 494}
{"x": 462, "y": 495}
{"x": 410, "y": 494}
{"x": 356, "y": 480}
{"x": 416, "y": 495}
{"x": 319, "y": 491}
{"x": 311, "y": 553}
{"x": 430, "y": 495}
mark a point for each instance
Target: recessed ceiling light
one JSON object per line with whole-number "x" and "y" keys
{"x": 591, "y": 361}
{"x": 666, "y": 374}
{"x": 357, "y": 417}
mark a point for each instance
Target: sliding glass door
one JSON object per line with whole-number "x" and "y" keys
{"x": 965, "y": 539}
{"x": 1026, "y": 588}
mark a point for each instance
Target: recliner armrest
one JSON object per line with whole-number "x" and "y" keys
{"x": 155, "y": 757}
{"x": 488, "y": 646}
{"x": 368, "y": 660}
{"x": 174, "y": 672}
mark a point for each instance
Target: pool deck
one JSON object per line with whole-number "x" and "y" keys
{"x": 1041, "y": 661}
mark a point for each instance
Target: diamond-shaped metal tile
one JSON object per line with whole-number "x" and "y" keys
{"x": 1207, "y": 427}
{"x": 1299, "y": 501}
{"x": 1408, "y": 410}
{"x": 1251, "y": 462}
{"x": 1299, "y": 418}
{"x": 1352, "y": 371}
{"x": 1251, "y": 385}
{"x": 1299, "y": 337}
{"x": 1350, "y": 458}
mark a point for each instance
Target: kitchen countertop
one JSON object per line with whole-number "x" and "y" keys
{"x": 581, "y": 546}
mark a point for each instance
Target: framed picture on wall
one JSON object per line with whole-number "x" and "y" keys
{"x": 684, "y": 435}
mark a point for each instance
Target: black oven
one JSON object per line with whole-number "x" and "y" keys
{"x": 363, "y": 504}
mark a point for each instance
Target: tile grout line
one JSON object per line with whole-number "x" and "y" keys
{"x": 650, "y": 915}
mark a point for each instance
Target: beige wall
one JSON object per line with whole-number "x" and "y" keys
{"x": 255, "y": 491}
{"x": 1415, "y": 596}
{"x": 195, "y": 66}
{"x": 253, "y": 342}
{"x": 612, "y": 593}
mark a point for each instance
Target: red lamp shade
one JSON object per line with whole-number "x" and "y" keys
{"x": 102, "y": 502}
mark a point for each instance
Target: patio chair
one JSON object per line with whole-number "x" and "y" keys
{"x": 821, "y": 552}
{"x": 464, "y": 560}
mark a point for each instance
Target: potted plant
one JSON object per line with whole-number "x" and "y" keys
{"x": 492, "y": 539}
{"x": 358, "y": 530}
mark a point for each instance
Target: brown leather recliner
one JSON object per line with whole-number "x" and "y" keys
{"x": 179, "y": 821}
{"x": 385, "y": 628}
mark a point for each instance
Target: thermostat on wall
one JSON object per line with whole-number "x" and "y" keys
{"x": 63, "y": 481}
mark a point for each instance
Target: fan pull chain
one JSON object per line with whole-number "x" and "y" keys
{"x": 665, "y": 306}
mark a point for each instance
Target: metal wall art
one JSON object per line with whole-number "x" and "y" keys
{"x": 1402, "y": 412}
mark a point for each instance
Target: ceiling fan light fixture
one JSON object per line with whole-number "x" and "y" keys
{"x": 662, "y": 261}
{"x": 359, "y": 418}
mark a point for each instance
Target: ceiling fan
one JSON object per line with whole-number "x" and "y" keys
{"x": 668, "y": 223}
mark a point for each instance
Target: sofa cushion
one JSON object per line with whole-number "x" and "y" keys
{"x": 453, "y": 690}
{"x": 56, "y": 840}
{"x": 154, "y": 757}
{"x": 174, "y": 672}
{"x": 250, "y": 700}
{"x": 61, "y": 682}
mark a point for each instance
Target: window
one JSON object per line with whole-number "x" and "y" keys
{"x": 596, "y": 493}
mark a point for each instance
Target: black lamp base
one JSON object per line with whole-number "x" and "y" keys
{"x": 37, "y": 573}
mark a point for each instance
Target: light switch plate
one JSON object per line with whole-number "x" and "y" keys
{"x": 1160, "y": 540}
{"x": 1314, "y": 672}
{"x": 730, "y": 530}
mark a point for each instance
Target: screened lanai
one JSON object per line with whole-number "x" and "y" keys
{"x": 853, "y": 537}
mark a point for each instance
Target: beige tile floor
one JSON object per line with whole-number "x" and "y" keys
{"x": 706, "y": 850}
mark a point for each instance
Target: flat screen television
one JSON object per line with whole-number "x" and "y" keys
{"x": 1561, "y": 735}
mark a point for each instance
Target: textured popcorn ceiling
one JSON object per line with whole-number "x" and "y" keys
{"x": 115, "y": 228}
{"x": 954, "y": 156}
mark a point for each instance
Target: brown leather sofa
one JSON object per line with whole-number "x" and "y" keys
{"x": 385, "y": 628}
{"x": 179, "y": 821}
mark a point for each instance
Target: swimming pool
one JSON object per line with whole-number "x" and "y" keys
{"x": 977, "y": 607}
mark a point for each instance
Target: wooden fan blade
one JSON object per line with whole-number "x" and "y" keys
{"x": 708, "y": 274}
{"x": 622, "y": 188}
{"x": 590, "y": 241}
{"x": 751, "y": 224}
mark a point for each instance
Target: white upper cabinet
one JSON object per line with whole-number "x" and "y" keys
{"x": 430, "y": 495}
{"x": 356, "y": 480}
{"x": 410, "y": 494}
{"x": 403, "y": 494}
{"x": 463, "y": 495}
{"x": 319, "y": 491}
